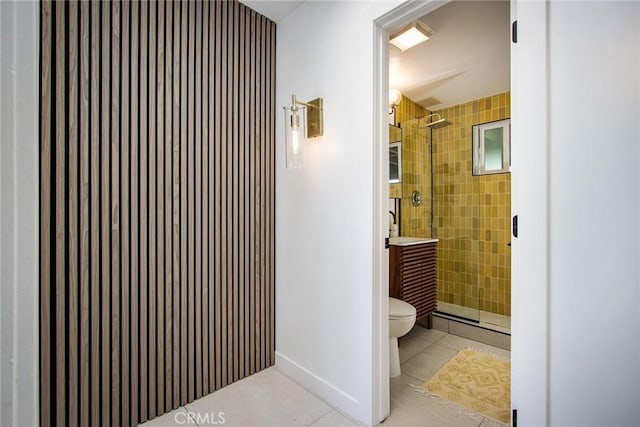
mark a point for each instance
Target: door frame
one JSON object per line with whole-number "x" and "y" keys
{"x": 402, "y": 15}
{"x": 530, "y": 201}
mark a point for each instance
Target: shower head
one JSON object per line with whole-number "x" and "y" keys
{"x": 437, "y": 121}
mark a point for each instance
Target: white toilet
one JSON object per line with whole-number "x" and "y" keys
{"x": 402, "y": 317}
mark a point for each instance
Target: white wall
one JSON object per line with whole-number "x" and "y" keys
{"x": 19, "y": 213}
{"x": 324, "y": 212}
{"x": 594, "y": 111}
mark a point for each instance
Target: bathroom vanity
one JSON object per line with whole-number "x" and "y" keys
{"x": 412, "y": 273}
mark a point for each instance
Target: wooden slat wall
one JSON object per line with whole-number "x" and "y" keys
{"x": 157, "y": 205}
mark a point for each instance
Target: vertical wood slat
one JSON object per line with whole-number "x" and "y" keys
{"x": 157, "y": 186}
{"x": 190, "y": 198}
{"x": 168, "y": 191}
{"x": 184, "y": 330}
{"x": 85, "y": 194}
{"x": 224, "y": 197}
{"x": 114, "y": 312}
{"x": 245, "y": 175}
{"x": 73, "y": 220}
{"x": 197, "y": 167}
{"x": 207, "y": 237}
{"x": 160, "y": 212}
{"x": 144, "y": 212}
{"x": 135, "y": 212}
{"x": 252, "y": 192}
{"x": 210, "y": 187}
{"x": 240, "y": 191}
{"x": 234, "y": 145}
{"x": 176, "y": 209}
{"x": 270, "y": 214}
{"x": 105, "y": 212}
{"x": 217, "y": 279}
{"x": 94, "y": 112}
{"x": 60, "y": 378}
{"x": 152, "y": 301}
{"x": 257, "y": 188}
{"x": 125, "y": 149}
{"x": 262, "y": 208}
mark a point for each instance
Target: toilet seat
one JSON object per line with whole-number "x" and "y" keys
{"x": 399, "y": 309}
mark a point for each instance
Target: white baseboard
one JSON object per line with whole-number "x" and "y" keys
{"x": 326, "y": 391}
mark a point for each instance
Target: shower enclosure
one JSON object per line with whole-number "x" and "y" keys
{"x": 469, "y": 214}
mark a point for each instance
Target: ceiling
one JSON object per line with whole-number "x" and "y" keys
{"x": 467, "y": 58}
{"x": 274, "y": 10}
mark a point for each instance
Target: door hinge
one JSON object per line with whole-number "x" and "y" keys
{"x": 386, "y": 243}
{"x": 514, "y": 31}
{"x": 514, "y": 222}
{"x": 514, "y": 418}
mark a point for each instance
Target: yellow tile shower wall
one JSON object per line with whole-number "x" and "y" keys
{"x": 409, "y": 110}
{"x": 471, "y": 213}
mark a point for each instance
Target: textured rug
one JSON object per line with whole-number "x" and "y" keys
{"x": 477, "y": 381}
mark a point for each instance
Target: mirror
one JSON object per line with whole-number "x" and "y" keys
{"x": 395, "y": 154}
{"x": 395, "y": 163}
{"x": 491, "y": 147}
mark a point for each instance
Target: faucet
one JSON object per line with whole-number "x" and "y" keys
{"x": 393, "y": 228}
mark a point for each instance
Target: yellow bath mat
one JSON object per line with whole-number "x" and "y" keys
{"x": 476, "y": 381}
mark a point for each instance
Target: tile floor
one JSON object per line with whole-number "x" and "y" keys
{"x": 422, "y": 353}
{"x": 271, "y": 399}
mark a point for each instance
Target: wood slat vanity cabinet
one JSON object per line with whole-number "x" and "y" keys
{"x": 413, "y": 276}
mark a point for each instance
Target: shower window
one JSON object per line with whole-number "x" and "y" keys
{"x": 491, "y": 148}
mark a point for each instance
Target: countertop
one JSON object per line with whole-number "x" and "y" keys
{"x": 410, "y": 241}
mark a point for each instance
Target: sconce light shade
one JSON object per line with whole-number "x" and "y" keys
{"x": 301, "y": 115}
{"x": 394, "y": 97}
{"x": 293, "y": 139}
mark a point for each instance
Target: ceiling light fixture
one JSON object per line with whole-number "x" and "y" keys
{"x": 411, "y": 35}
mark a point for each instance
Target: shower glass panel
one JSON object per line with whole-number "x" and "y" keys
{"x": 471, "y": 212}
{"x": 467, "y": 212}
{"x": 457, "y": 226}
{"x": 416, "y": 177}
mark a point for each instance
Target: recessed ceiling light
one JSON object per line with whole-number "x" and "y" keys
{"x": 411, "y": 35}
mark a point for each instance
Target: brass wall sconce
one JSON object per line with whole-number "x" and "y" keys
{"x": 312, "y": 115}
{"x": 395, "y": 96}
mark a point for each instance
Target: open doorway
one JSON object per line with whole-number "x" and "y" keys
{"x": 460, "y": 165}
{"x": 454, "y": 86}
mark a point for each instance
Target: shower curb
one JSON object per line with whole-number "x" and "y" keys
{"x": 470, "y": 330}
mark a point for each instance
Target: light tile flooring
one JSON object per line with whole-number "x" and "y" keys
{"x": 271, "y": 399}
{"x": 265, "y": 399}
{"x": 422, "y": 354}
